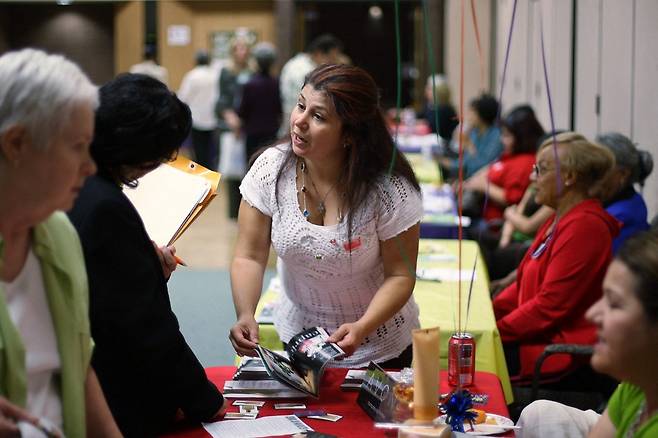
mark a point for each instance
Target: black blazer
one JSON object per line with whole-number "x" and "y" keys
{"x": 145, "y": 367}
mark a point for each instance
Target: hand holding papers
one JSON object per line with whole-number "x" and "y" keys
{"x": 308, "y": 354}
{"x": 171, "y": 197}
{"x": 296, "y": 375}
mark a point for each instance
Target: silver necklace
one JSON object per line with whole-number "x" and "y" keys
{"x": 321, "y": 205}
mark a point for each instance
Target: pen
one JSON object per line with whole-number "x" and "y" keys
{"x": 48, "y": 428}
{"x": 316, "y": 413}
{"x": 180, "y": 261}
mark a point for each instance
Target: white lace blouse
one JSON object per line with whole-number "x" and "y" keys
{"x": 322, "y": 285}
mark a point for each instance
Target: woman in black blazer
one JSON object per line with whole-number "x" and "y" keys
{"x": 143, "y": 362}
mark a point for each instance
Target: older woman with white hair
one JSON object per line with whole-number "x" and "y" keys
{"x": 46, "y": 124}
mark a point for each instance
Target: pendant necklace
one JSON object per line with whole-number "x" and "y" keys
{"x": 321, "y": 205}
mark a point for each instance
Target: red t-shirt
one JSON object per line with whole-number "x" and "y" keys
{"x": 557, "y": 282}
{"x": 512, "y": 174}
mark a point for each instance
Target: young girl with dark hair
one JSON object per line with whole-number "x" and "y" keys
{"x": 507, "y": 179}
{"x": 626, "y": 320}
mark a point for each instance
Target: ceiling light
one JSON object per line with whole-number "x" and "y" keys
{"x": 375, "y": 12}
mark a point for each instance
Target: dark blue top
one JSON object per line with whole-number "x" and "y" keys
{"x": 488, "y": 148}
{"x": 260, "y": 108}
{"x": 446, "y": 116}
{"x": 631, "y": 211}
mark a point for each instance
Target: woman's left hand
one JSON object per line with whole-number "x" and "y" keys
{"x": 166, "y": 255}
{"x": 348, "y": 337}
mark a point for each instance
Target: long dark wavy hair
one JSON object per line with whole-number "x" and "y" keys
{"x": 371, "y": 152}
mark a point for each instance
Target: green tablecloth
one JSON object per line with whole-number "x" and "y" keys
{"x": 426, "y": 170}
{"x": 438, "y": 301}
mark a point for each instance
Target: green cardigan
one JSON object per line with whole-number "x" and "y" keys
{"x": 56, "y": 245}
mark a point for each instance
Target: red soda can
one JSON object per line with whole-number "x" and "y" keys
{"x": 461, "y": 359}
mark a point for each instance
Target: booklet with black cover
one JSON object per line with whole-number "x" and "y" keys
{"x": 308, "y": 354}
{"x": 377, "y": 395}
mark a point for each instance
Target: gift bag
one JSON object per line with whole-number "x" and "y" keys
{"x": 233, "y": 155}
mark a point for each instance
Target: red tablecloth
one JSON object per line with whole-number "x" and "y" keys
{"x": 355, "y": 422}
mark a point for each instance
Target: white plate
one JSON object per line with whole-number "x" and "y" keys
{"x": 502, "y": 425}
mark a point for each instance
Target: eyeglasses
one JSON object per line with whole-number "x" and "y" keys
{"x": 538, "y": 170}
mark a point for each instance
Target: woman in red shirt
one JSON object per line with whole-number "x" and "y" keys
{"x": 561, "y": 274}
{"x": 507, "y": 179}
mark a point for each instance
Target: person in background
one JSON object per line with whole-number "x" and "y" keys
{"x": 506, "y": 179}
{"x": 626, "y": 318}
{"x": 623, "y": 202}
{"x": 439, "y": 114}
{"x": 146, "y": 368}
{"x": 260, "y": 108}
{"x": 324, "y": 49}
{"x": 232, "y": 79}
{"x": 199, "y": 91}
{"x": 522, "y": 221}
{"x": 481, "y": 141}
{"x": 46, "y": 124}
{"x": 560, "y": 276}
{"x": 345, "y": 230}
{"x": 150, "y": 67}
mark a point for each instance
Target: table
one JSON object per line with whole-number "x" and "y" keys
{"x": 440, "y": 220}
{"x": 414, "y": 143}
{"x": 436, "y": 300}
{"x": 426, "y": 170}
{"x": 355, "y": 422}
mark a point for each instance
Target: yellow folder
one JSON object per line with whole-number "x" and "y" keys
{"x": 171, "y": 197}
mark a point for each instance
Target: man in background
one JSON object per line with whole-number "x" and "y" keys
{"x": 325, "y": 49}
{"x": 150, "y": 67}
{"x": 199, "y": 91}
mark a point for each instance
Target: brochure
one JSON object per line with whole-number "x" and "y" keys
{"x": 377, "y": 395}
{"x": 259, "y": 389}
{"x": 354, "y": 379}
{"x": 308, "y": 353}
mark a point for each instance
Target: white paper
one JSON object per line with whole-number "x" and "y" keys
{"x": 265, "y": 426}
{"x": 444, "y": 274}
{"x": 165, "y": 198}
{"x": 178, "y": 35}
{"x": 259, "y": 389}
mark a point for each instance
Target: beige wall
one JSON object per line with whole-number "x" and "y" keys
{"x": 472, "y": 77}
{"x": 203, "y": 19}
{"x": 128, "y": 34}
{"x": 83, "y": 32}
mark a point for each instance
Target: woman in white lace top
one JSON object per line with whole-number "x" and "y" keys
{"x": 340, "y": 206}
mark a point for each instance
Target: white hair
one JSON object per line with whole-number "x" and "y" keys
{"x": 38, "y": 91}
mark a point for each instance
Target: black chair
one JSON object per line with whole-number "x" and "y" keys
{"x": 581, "y": 388}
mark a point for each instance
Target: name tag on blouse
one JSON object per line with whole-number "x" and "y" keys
{"x": 352, "y": 245}
{"x": 542, "y": 247}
